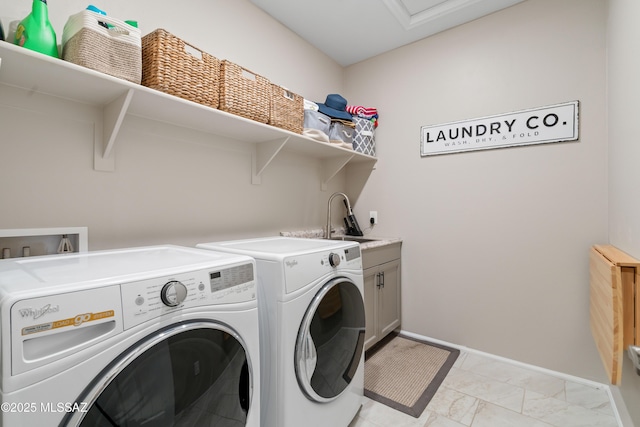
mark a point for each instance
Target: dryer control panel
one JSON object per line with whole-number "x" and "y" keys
{"x": 300, "y": 270}
{"x": 152, "y": 298}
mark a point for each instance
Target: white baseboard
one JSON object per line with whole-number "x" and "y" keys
{"x": 617, "y": 404}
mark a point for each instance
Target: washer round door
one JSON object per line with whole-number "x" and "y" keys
{"x": 190, "y": 374}
{"x": 330, "y": 340}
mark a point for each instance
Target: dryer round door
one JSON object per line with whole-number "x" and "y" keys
{"x": 330, "y": 340}
{"x": 190, "y": 374}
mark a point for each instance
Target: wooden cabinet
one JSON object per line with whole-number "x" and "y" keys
{"x": 381, "y": 291}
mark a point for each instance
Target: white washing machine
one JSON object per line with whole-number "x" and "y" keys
{"x": 154, "y": 336}
{"x": 310, "y": 298}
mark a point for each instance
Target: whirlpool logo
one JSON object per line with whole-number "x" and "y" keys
{"x": 291, "y": 263}
{"x": 36, "y": 313}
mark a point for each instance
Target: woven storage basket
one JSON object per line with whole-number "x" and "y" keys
{"x": 287, "y": 109}
{"x": 115, "y": 51}
{"x": 244, "y": 93}
{"x": 173, "y": 66}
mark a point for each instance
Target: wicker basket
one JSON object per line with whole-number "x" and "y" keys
{"x": 287, "y": 109}
{"x": 115, "y": 51}
{"x": 244, "y": 93}
{"x": 170, "y": 67}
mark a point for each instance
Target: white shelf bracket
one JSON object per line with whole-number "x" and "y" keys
{"x": 263, "y": 154}
{"x": 332, "y": 167}
{"x": 106, "y": 133}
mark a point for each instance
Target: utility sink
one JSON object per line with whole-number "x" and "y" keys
{"x": 353, "y": 239}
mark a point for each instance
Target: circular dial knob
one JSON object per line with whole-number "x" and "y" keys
{"x": 334, "y": 260}
{"x": 173, "y": 293}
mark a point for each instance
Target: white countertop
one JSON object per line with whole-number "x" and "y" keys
{"x": 373, "y": 241}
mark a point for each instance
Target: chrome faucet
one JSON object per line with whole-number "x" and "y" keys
{"x": 346, "y": 199}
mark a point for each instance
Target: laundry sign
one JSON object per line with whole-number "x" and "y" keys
{"x": 554, "y": 123}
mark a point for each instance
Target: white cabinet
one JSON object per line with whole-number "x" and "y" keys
{"x": 382, "y": 289}
{"x": 34, "y": 72}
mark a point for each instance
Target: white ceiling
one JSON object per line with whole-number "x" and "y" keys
{"x": 350, "y": 31}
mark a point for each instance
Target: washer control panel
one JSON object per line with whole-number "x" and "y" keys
{"x": 152, "y": 298}
{"x": 173, "y": 293}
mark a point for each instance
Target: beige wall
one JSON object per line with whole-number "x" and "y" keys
{"x": 495, "y": 253}
{"x": 171, "y": 185}
{"x": 624, "y": 151}
{"x": 495, "y": 242}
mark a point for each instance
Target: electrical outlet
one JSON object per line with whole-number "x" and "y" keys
{"x": 373, "y": 217}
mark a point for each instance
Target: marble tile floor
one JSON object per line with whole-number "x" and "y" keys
{"x": 485, "y": 392}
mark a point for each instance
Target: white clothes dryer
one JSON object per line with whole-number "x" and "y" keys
{"x": 312, "y": 320}
{"x": 154, "y": 336}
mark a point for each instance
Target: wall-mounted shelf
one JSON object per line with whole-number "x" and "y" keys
{"x": 35, "y": 72}
{"x": 42, "y": 241}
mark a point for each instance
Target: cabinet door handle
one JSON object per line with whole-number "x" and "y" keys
{"x": 381, "y": 279}
{"x": 378, "y": 281}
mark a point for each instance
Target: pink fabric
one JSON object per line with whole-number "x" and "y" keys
{"x": 359, "y": 110}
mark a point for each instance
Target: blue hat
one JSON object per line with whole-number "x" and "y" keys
{"x": 335, "y": 106}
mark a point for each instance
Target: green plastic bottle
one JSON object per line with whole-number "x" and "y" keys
{"x": 35, "y": 32}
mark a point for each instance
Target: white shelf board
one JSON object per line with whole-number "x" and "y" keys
{"x": 33, "y": 71}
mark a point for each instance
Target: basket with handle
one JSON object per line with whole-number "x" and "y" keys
{"x": 115, "y": 50}
{"x": 286, "y": 109}
{"x": 173, "y": 66}
{"x": 364, "y": 139}
{"x": 244, "y": 93}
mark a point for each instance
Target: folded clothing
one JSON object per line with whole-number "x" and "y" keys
{"x": 364, "y": 112}
{"x": 360, "y": 111}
